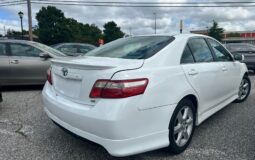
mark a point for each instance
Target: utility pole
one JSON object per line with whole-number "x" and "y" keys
{"x": 130, "y": 31}
{"x": 155, "y": 25}
{"x": 4, "y": 31}
{"x": 181, "y": 26}
{"x": 29, "y": 20}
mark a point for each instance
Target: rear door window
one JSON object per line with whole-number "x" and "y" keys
{"x": 200, "y": 50}
{"x": 68, "y": 49}
{"x": 24, "y": 50}
{"x": 2, "y": 49}
{"x": 187, "y": 56}
{"x": 85, "y": 49}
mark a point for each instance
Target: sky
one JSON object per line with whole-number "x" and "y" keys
{"x": 139, "y": 21}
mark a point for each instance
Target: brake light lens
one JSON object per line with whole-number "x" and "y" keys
{"x": 49, "y": 77}
{"x": 118, "y": 88}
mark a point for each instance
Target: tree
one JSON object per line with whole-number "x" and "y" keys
{"x": 216, "y": 32}
{"x": 112, "y": 32}
{"x": 35, "y": 30}
{"x": 233, "y": 34}
{"x": 13, "y": 33}
{"x": 51, "y": 26}
{"x": 83, "y": 33}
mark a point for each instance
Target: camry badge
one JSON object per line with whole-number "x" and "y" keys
{"x": 64, "y": 71}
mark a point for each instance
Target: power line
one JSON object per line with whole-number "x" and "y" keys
{"x": 8, "y": 1}
{"x": 141, "y": 6}
{"x": 11, "y": 4}
{"x": 122, "y": 2}
{"x": 145, "y": 4}
{"x": 135, "y": 4}
{"x": 14, "y": 1}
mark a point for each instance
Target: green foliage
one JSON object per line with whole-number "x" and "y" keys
{"x": 233, "y": 34}
{"x": 51, "y": 26}
{"x": 83, "y": 33}
{"x": 13, "y": 33}
{"x": 35, "y": 30}
{"x": 216, "y": 32}
{"x": 112, "y": 32}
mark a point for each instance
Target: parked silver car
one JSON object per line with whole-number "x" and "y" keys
{"x": 74, "y": 49}
{"x": 1, "y": 98}
{"x": 25, "y": 62}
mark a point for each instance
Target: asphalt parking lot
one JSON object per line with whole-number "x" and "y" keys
{"x": 27, "y": 133}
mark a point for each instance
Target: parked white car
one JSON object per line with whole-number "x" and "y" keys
{"x": 143, "y": 93}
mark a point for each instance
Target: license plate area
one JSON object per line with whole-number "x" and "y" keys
{"x": 67, "y": 86}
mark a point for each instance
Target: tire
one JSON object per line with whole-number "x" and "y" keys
{"x": 176, "y": 145}
{"x": 244, "y": 92}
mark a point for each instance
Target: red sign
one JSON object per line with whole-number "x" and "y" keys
{"x": 101, "y": 41}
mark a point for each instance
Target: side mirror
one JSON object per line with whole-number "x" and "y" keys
{"x": 44, "y": 55}
{"x": 238, "y": 57}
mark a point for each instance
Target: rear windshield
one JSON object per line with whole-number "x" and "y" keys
{"x": 240, "y": 47}
{"x": 48, "y": 49}
{"x": 132, "y": 47}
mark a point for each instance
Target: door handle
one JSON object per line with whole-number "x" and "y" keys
{"x": 192, "y": 72}
{"x": 224, "y": 68}
{"x": 15, "y": 61}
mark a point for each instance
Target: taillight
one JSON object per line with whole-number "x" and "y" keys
{"x": 118, "y": 88}
{"x": 49, "y": 77}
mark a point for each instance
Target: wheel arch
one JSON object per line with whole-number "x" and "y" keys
{"x": 246, "y": 74}
{"x": 174, "y": 148}
{"x": 193, "y": 98}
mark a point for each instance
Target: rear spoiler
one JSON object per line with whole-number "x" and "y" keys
{"x": 68, "y": 63}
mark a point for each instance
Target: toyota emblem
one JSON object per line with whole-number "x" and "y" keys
{"x": 64, "y": 71}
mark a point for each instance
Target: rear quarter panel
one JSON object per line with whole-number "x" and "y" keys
{"x": 167, "y": 85}
{"x": 167, "y": 82}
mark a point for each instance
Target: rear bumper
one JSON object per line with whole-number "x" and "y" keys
{"x": 120, "y": 131}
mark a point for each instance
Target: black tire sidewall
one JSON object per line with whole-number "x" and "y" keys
{"x": 173, "y": 146}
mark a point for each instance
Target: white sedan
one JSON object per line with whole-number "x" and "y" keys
{"x": 143, "y": 93}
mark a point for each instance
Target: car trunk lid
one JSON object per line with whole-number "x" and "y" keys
{"x": 74, "y": 78}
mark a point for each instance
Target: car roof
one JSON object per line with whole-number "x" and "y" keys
{"x": 184, "y": 35}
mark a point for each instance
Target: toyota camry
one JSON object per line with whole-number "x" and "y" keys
{"x": 143, "y": 93}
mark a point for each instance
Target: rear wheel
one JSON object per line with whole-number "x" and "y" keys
{"x": 244, "y": 89}
{"x": 182, "y": 126}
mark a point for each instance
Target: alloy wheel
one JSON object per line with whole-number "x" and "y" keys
{"x": 183, "y": 126}
{"x": 243, "y": 89}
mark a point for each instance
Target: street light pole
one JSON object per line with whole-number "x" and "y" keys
{"x": 155, "y": 25}
{"x": 21, "y": 22}
{"x": 29, "y": 20}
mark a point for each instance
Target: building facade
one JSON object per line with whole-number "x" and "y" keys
{"x": 233, "y": 37}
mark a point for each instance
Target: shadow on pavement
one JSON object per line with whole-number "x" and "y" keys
{"x": 21, "y": 88}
